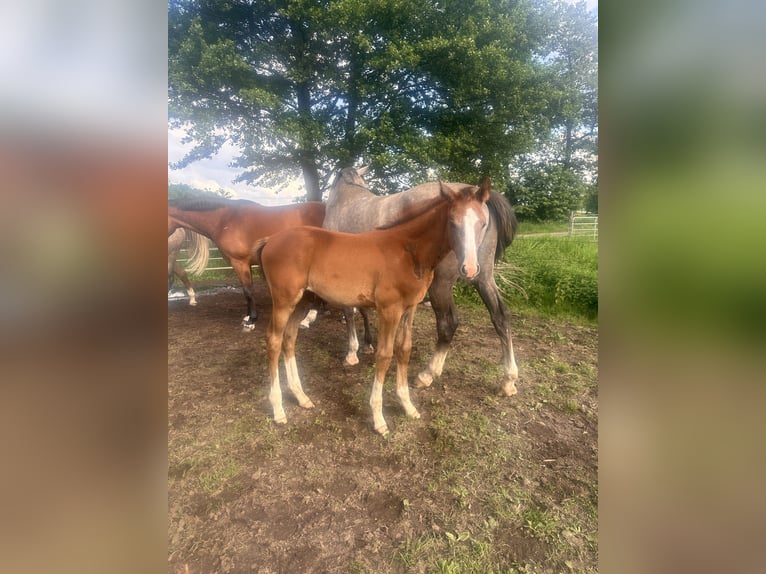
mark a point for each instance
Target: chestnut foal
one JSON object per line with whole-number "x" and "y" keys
{"x": 389, "y": 269}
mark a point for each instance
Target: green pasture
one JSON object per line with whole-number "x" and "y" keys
{"x": 549, "y": 275}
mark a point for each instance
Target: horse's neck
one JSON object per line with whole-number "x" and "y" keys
{"x": 203, "y": 222}
{"x": 425, "y": 236}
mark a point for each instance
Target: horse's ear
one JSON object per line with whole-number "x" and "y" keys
{"x": 447, "y": 191}
{"x": 362, "y": 170}
{"x": 484, "y": 189}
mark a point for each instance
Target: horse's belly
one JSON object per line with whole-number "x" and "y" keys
{"x": 342, "y": 293}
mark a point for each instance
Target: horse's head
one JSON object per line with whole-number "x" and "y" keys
{"x": 468, "y": 220}
{"x": 350, "y": 176}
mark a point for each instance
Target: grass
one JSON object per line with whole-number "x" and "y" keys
{"x": 529, "y": 227}
{"x": 475, "y": 491}
{"x": 556, "y": 276}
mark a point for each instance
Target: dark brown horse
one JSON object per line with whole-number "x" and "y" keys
{"x": 351, "y": 207}
{"x": 387, "y": 269}
{"x": 235, "y": 226}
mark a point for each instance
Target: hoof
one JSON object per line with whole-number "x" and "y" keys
{"x": 424, "y": 381}
{"x": 383, "y": 431}
{"x": 307, "y": 405}
{"x": 280, "y": 420}
{"x": 351, "y": 360}
{"x": 193, "y": 303}
{"x": 509, "y": 389}
{"x": 368, "y": 350}
{"x": 413, "y": 414}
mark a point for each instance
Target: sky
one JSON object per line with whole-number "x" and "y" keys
{"x": 215, "y": 173}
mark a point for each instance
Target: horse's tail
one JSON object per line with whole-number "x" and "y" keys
{"x": 200, "y": 253}
{"x": 258, "y": 248}
{"x": 505, "y": 220}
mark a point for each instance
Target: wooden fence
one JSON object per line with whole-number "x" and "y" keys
{"x": 580, "y": 224}
{"x": 215, "y": 261}
{"x": 583, "y": 224}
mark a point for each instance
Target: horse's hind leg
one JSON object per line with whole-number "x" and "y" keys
{"x": 368, "y": 346}
{"x": 443, "y": 306}
{"x": 403, "y": 348}
{"x": 501, "y": 319}
{"x": 288, "y": 353}
{"x": 181, "y": 272}
{"x": 353, "y": 342}
{"x": 274, "y": 335}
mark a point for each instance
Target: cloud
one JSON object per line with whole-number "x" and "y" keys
{"x": 216, "y": 172}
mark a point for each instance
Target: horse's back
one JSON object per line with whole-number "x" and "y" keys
{"x": 356, "y": 210}
{"x": 261, "y": 221}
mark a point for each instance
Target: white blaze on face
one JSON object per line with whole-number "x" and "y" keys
{"x": 470, "y": 250}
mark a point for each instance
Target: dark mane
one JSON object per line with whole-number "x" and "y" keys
{"x": 505, "y": 218}
{"x": 207, "y": 203}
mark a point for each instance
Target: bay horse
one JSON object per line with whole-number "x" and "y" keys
{"x": 235, "y": 226}
{"x": 352, "y": 208}
{"x": 175, "y": 241}
{"x": 389, "y": 269}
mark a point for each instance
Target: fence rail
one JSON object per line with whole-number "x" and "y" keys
{"x": 580, "y": 224}
{"x": 583, "y": 224}
{"x": 214, "y": 255}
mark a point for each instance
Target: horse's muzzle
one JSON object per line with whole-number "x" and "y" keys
{"x": 470, "y": 272}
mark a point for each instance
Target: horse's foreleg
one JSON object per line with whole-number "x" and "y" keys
{"x": 353, "y": 342}
{"x": 387, "y": 324}
{"x": 403, "y": 348}
{"x": 288, "y": 352}
{"x": 443, "y": 306}
{"x": 501, "y": 320}
{"x": 245, "y": 275}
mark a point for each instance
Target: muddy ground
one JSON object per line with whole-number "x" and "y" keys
{"x": 481, "y": 483}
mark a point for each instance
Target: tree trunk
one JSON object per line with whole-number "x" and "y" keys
{"x": 311, "y": 179}
{"x": 353, "y": 106}
{"x": 306, "y": 147}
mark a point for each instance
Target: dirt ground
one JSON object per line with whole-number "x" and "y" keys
{"x": 481, "y": 483}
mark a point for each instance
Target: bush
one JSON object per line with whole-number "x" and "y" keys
{"x": 547, "y": 193}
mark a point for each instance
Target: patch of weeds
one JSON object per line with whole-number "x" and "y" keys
{"x": 413, "y": 551}
{"x": 540, "y": 524}
{"x": 214, "y": 480}
{"x": 571, "y": 406}
{"x": 506, "y": 505}
{"x": 460, "y": 492}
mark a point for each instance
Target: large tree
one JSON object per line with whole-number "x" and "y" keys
{"x": 561, "y": 173}
{"x": 405, "y": 85}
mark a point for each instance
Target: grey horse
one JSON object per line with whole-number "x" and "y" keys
{"x": 352, "y": 208}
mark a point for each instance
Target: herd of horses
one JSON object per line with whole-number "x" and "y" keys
{"x": 359, "y": 251}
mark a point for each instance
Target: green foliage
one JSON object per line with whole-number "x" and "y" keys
{"x": 183, "y": 190}
{"x": 591, "y": 199}
{"x": 557, "y": 275}
{"x": 547, "y": 193}
{"x": 403, "y": 85}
